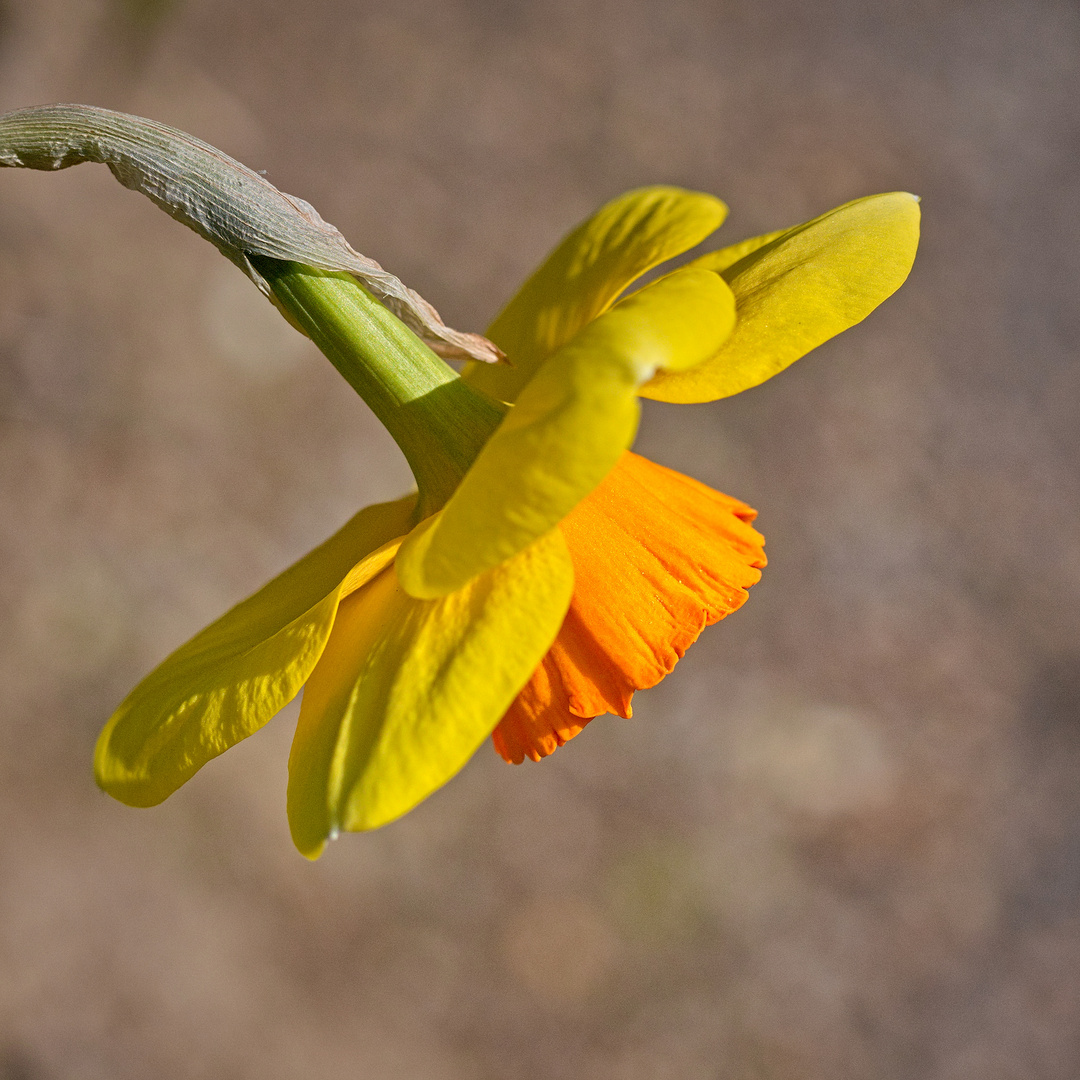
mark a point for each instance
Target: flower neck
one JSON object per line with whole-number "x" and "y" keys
{"x": 440, "y": 422}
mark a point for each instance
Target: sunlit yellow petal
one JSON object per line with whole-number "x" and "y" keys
{"x": 719, "y": 261}
{"x": 586, "y": 273}
{"x": 232, "y": 677}
{"x": 567, "y": 430}
{"x": 407, "y": 689}
{"x": 800, "y": 289}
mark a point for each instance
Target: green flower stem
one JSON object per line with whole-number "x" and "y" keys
{"x": 439, "y": 421}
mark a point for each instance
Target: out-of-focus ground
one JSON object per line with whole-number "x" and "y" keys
{"x": 842, "y": 841}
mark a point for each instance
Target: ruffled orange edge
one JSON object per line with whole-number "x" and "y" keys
{"x": 657, "y": 557}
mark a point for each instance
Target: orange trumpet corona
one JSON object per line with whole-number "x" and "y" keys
{"x": 657, "y": 557}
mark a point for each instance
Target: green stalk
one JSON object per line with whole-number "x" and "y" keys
{"x": 440, "y": 422}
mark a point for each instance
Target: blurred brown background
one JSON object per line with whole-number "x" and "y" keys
{"x": 843, "y": 841}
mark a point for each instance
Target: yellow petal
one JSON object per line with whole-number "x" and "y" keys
{"x": 232, "y": 677}
{"x": 586, "y": 273}
{"x": 567, "y": 430}
{"x": 407, "y": 690}
{"x": 800, "y": 288}
{"x": 719, "y": 261}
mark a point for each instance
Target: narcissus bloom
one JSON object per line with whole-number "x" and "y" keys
{"x": 542, "y": 572}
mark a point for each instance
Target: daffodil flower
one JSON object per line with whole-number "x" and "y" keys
{"x": 541, "y": 573}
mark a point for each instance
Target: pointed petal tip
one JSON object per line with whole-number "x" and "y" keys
{"x": 312, "y": 852}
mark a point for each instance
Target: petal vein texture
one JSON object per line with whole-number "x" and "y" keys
{"x": 231, "y": 678}
{"x": 406, "y": 690}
